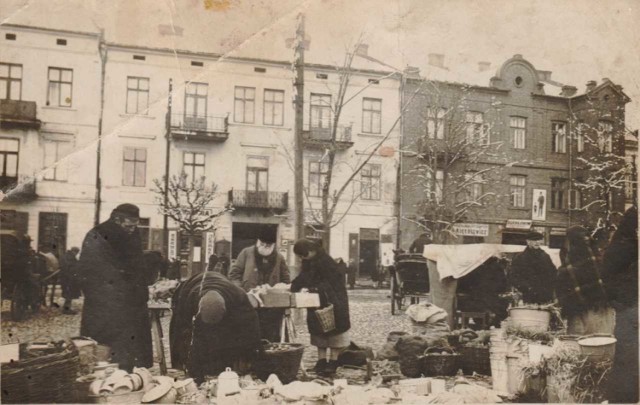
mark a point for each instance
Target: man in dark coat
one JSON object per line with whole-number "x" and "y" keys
{"x": 69, "y": 279}
{"x": 533, "y": 273}
{"x": 213, "y": 326}
{"x": 620, "y": 273}
{"x": 115, "y": 285}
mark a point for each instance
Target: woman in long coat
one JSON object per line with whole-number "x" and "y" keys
{"x": 580, "y": 287}
{"x": 320, "y": 273}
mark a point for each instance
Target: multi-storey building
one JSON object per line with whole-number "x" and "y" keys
{"x": 49, "y": 108}
{"x": 526, "y": 167}
{"x": 231, "y": 120}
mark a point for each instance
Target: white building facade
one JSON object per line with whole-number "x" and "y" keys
{"x": 232, "y": 121}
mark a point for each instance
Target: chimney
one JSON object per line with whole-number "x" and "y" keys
{"x": 545, "y": 75}
{"x": 591, "y": 84}
{"x": 362, "y": 50}
{"x": 436, "y": 59}
{"x": 484, "y": 66}
{"x": 605, "y": 80}
{"x": 568, "y": 91}
{"x": 412, "y": 72}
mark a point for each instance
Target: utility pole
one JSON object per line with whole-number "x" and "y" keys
{"x": 165, "y": 219}
{"x": 299, "y": 121}
{"x": 102, "y": 50}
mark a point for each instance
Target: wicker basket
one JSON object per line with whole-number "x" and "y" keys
{"x": 434, "y": 364}
{"x": 283, "y": 363}
{"x": 45, "y": 379}
{"x": 326, "y": 318}
{"x": 475, "y": 359}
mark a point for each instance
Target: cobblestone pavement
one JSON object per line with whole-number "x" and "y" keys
{"x": 370, "y": 312}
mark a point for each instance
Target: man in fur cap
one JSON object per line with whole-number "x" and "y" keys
{"x": 115, "y": 285}
{"x": 533, "y": 273}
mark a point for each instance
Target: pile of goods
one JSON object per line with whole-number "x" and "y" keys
{"x": 161, "y": 292}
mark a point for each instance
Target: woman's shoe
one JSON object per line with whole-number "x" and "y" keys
{"x": 320, "y": 366}
{"x": 330, "y": 368}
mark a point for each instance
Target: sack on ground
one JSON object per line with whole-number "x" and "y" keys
{"x": 388, "y": 352}
{"x": 355, "y": 355}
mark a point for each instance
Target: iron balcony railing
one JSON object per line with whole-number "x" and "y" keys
{"x": 19, "y": 113}
{"x": 343, "y": 133}
{"x": 21, "y": 189}
{"x": 200, "y": 123}
{"x": 259, "y": 199}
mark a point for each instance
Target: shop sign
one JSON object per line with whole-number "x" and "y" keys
{"x": 471, "y": 229}
{"x": 209, "y": 246}
{"x": 172, "y": 246}
{"x": 540, "y": 229}
{"x": 558, "y": 231}
{"x": 519, "y": 224}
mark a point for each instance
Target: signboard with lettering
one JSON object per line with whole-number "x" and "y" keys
{"x": 172, "y": 247}
{"x": 558, "y": 231}
{"x": 208, "y": 246}
{"x": 471, "y": 229}
{"x": 539, "y": 205}
{"x": 519, "y": 224}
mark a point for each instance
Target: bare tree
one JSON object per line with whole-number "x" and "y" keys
{"x": 457, "y": 163}
{"x": 600, "y": 166}
{"x": 337, "y": 195}
{"x": 190, "y": 206}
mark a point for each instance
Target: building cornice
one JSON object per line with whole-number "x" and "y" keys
{"x": 52, "y": 30}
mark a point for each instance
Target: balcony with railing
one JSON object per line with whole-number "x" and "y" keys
{"x": 18, "y": 114}
{"x": 210, "y": 128}
{"x": 320, "y": 138}
{"x": 18, "y": 190}
{"x": 259, "y": 200}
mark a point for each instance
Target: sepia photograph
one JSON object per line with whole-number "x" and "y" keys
{"x": 319, "y": 201}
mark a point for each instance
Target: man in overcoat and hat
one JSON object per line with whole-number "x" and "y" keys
{"x": 115, "y": 284}
{"x": 533, "y": 273}
{"x": 262, "y": 264}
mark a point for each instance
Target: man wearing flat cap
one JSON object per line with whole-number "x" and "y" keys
{"x": 115, "y": 284}
{"x": 258, "y": 265}
{"x": 533, "y": 273}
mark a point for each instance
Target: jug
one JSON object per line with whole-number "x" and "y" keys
{"x": 228, "y": 383}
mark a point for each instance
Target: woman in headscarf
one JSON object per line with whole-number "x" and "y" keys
{"x": 320, "y": 273}
{"x": 213, "y": 326}
{"x": 580, "y": 287}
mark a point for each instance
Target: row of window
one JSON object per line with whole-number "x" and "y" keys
{"x": 54, "y": 151}
{"x": 257, "y": 173}
{"x": 478, "y": 131}
{"x": 60, "y": 90}
{"x": 561, "y": 197}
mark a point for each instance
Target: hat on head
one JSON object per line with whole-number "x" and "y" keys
{"x": 535, "y": 235}
{"x": 127, "y": 210}
{"x": 212, "y": 307}
{"x": 267, "y": 235}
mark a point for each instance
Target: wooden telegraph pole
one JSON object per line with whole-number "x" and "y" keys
{"x": 299, "y": 120}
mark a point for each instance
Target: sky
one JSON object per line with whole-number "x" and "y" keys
{"x": 578, "y": 40}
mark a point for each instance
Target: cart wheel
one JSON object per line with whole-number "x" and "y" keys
{"x": 19, "y": 303}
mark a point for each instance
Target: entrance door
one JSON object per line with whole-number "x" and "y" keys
{"x": 354, "y": 251}
{"x": 369, "y": 251}
{"x": 244, "y": 234}
{"x": 52, "y": 232}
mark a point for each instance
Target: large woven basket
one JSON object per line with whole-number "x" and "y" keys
{"x": 434, "y": 364}
{"x": 284, "y": 363}
{"x": 475, "y": 359}
{"x": 45, "y": 379}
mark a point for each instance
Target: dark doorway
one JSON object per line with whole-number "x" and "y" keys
{"x": 368, "y": 257}
{"x": 52, "y": 232}
{"x": 244, "y": 234}
{"x": 556, "y": 241}
{"x": 514, "y": 238}
{"x": 466, "y": 240}
{"x": 354, "y": 251}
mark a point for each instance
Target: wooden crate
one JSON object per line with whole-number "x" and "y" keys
{"x": 277, "y": 300}
{"x": 305, "y": 300}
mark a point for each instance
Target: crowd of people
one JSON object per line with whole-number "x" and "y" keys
{"x": 216, "y": 323}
